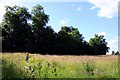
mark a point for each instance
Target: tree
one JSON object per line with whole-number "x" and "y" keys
{"x": 71, "y": 40}
{"x": 113, "y": 52}
{"x": 49, "y": 40}
{"x": 74, "y": 32}
{"x": 117, "y": 53}
{"x": 99, "y": 45}
{"x": 39, "y": 18}
{"x": 15, "y": 29}
{"x": 39, "y": 21}
{"x": 87, "y": 49}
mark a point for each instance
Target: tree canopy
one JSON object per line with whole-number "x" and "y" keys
{"x": 99, "y": 45}
{"x": 24, "y": 31}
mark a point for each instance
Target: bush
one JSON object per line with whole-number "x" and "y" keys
{"x": 89, "y": 67}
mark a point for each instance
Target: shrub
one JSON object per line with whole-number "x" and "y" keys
{"x": 89, "y": 66}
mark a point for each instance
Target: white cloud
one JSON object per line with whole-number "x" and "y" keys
{"x": 79, "y": 8}
{"x": 107, "y": 8}
{"x": 2, "y": 10}
{"x": 102, "y": 33}
{"x": 64, "y": 21}
{"x": 113, "y": 44}
{"x": 116, "y": 37}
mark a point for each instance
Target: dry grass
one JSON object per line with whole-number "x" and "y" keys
{"x": 71, "y": 58}
{"x": 76, "y": 58}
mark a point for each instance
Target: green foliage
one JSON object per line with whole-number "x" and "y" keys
{"x": 12, "y": 69}
{"x": 71, "y": 39}
{"x": 15, "y": 29}
{"x": 72, "y": 32}
{"x": 89, "y": 67}
{"x": 39, "y": 18}
{"x": 13, "y": 66}
{"x": 117, "y": 53}
{"x": 99, "y": 45}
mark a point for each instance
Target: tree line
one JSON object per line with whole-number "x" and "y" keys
{"x": 115, "y": 53}
{"x": 24, "y": 31}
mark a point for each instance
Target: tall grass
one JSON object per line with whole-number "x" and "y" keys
{"x": 58, "y": 67}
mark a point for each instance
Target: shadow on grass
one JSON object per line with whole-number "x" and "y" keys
{"x": 10, "y": 71}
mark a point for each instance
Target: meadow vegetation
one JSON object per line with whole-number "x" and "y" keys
{"x": 47, "y": 66}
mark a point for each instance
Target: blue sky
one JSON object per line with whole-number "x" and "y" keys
{"x": 89, "y": 17}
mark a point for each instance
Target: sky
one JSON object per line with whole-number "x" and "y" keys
{"x": 89, "y": 16}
